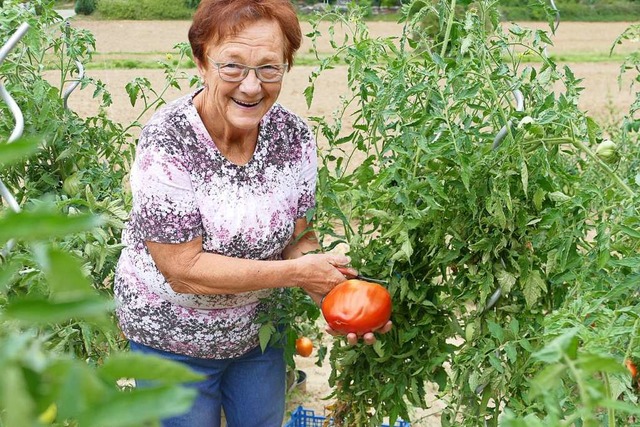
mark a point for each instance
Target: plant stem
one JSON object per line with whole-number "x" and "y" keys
{"x": 581, "y": 146}
{"x": 584, "y": 396}
{"x": 447, "y": 33}
{"x": 631, "y": 345}
{"x": 611, "y": 413}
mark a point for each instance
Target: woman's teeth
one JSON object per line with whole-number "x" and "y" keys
{"x": 246, "y": 104}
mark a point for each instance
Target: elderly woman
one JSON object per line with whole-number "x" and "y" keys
{"x": 222, "y": 183}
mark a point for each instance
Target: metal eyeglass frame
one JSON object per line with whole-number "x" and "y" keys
{"x": 245, "y": 71}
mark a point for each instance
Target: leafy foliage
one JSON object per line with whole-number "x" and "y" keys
{"x": 61, "y": 358}
{"x": 493, "y": 247}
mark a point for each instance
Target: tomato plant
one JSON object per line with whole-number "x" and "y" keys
{"x": 60, "y": 359}
{"x": 500, "y": 252}
{"x": 357, "y": 306}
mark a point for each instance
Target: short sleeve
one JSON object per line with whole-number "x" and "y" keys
{"x": 308, "y": 173}
{"x": 164, "y": 203}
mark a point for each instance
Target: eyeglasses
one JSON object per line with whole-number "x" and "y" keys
{"x": 232, "y": 72}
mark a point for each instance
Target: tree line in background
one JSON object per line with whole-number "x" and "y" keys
{"x": 512, "y": 10}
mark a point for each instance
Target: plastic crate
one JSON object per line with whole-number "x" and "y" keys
{"x": 302, "y": 417}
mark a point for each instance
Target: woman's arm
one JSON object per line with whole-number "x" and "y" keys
{"x": 188, "y": 269}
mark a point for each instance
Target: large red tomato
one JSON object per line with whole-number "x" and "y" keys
{"x": 357, "y": 306}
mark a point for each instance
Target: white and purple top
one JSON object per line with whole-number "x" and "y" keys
{"x": 183, "y": 188}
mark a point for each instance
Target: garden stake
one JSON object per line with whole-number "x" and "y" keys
{"x": 19, "y": 126}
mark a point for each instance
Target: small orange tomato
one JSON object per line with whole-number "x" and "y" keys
{"x": 633, "y": 369}
{"x": 304, "y": 346}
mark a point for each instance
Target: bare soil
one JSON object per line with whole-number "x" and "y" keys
{"x": 602, "y": 98}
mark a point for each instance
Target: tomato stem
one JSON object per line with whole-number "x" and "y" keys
{"x": 447, "y": 33}
{"x": 589, "y": 152}
{"x": 611, "y": 413}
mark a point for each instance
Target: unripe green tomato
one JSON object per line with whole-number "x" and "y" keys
{"x": 71, "y": 185}
{"x": 607, "y": 151}
{"x": 469, "y": 332}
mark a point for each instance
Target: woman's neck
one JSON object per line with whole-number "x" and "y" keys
{"x": 236, "y": 145}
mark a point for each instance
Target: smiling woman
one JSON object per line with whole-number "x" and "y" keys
{"x": 222, "y": 185}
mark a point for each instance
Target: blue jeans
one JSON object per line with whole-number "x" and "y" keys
{"x": 250, "y": 389}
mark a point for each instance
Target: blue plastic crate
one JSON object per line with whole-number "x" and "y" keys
{"x": 302, "y": 417}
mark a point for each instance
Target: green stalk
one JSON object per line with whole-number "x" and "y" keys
{"x": 447, "y": 33}
{"x": 611, "y": 413}
{"x": 584, "y": 395}
{"x": 581, "y": 146}
{"x": 631, "y": 345}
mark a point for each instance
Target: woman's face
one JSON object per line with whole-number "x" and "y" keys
{"x": 241, "y": 105}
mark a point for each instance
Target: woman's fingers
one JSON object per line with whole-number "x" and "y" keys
{"x": 369, "y": 338}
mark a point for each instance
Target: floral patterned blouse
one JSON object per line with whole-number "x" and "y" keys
{"x": 183, "y": 188}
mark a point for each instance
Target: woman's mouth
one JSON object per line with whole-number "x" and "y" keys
{"x": 245, "y": 104}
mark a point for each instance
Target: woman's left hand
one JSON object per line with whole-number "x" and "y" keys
{"x": 369, "y": 338}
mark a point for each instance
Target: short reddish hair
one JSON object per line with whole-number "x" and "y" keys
{"x": 216, "y": 20}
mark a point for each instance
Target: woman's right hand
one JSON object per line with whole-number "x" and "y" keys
{"x": 318, "y": 273}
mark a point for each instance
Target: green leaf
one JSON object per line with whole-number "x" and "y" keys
{"x": 34, "y": 226}
{"x": 265, "y": 333}
{"x": 565, "y": 344}
{"x": 631, "y": 232}
{"x": 619, "y": 405}
{"x": 632, "y": 262}
{"x": 550, "y": 377}
{"x": 135, "y": 407}
{"x": 534, "y": 287}
{"x": 147, "y": 367}
{"x": 496, "y": 331}
{"x": 77, "y": 387}
{"x": 8, "y": 275}
{"x": 18, "y": 150}
{"x": 592, "y": 363}
{"x": 45, "y": 311}
{"x": 17, "y": 405}
{"x": 538, "y": 199}
{"x": 378, "y": 348}
{"x": 506, "y": 280}
{"x": 65, "y": 277}
{"x": 559, "y": 197}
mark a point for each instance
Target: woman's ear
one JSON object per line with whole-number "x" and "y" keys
{"x": 202, "y": 69}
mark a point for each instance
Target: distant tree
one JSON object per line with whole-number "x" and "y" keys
{"x": 85, "y": 7}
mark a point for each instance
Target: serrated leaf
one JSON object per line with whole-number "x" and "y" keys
{"x": 378, "y": 348}
{"x": 558, "y": 196}
{"x": 506, "y": 280}
{"x": 549, "y": 378}
{"x": 65, "y": 277}
{"x": 264, "y": 335}
{"x": 538, "y": 198}
{"x": 565, "y": 344}
{"x": 8, "y": 274}
{"x": 46, "y": 311}
{"x": 534, "y": 287}
{"x": 33, "y": 226}
{"x": 496, "y": 330}
{"x": 18, "y": 150}
{"x": 591, "y": 363}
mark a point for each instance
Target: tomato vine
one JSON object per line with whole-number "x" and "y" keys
{"x": 497, "y": 257}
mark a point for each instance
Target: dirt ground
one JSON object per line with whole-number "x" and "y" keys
{"x": 602, "y": 98}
